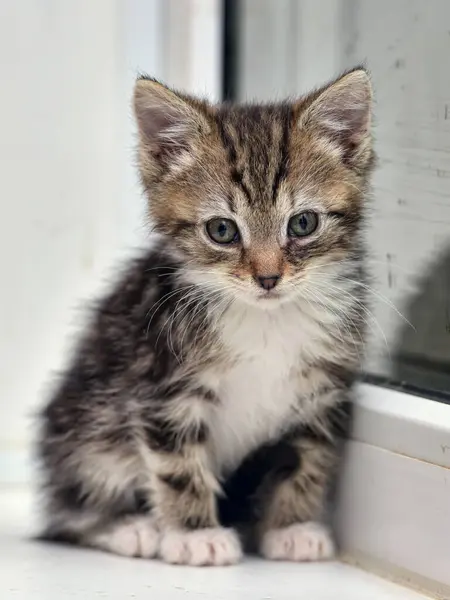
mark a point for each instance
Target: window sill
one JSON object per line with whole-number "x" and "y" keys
{"x": 31, "y": 569}
{"x": 404, "y": 424}
{"x": 394, "y": 509}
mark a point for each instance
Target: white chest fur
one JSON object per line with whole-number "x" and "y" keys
{"x": 259, "y": 395}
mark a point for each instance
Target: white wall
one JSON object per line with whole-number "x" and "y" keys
{"x": 69, "y": 204}
{"x": 288, "y": 46}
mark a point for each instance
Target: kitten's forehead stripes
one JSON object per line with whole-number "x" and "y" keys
{"x": 235, "y": 173}
{"x": 256, "y": 140}
{"x": 230, "y": 203}
{"x": 282, "y": 170}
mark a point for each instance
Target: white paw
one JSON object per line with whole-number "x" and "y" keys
{"x": 136, "y": 536}
{"x": 202, "y": 547}
{"x": 299, "y": 542}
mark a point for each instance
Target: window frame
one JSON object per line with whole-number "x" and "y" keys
{"x": 393, "y": 512}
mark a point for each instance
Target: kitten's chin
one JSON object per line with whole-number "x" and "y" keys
{"x": 270, "y": 301}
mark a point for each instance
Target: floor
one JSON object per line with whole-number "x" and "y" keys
{"x": 32, "y": 570}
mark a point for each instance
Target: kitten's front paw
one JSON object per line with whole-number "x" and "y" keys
{"x": 213, "y": 547}
{"x": 299, "y": 542}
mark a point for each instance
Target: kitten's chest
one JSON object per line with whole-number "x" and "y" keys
{"x": 260, "y": 393}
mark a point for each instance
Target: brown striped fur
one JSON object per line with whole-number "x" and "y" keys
{"x": 194, "y": 394}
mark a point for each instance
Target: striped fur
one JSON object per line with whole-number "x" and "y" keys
{"x": 197, "y": 398}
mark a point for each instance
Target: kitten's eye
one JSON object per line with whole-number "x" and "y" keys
{"x": 303, "y": 224}
{"x": 222, "y": 231}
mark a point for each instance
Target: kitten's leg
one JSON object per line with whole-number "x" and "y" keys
{"x": 129, "y": 535}
{"x": 184, "y": 489}
{"x": 91, "y": 498}
{"x": 292, "y": 527}
{"x": 185, "y": 505}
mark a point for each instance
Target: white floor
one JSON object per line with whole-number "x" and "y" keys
{"x": 30, "y": 570}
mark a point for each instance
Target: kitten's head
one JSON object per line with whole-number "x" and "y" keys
{"x": 258, "y": 199}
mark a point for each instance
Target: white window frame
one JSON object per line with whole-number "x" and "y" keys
{"x": 394, "y": 506}
{"x": 193, "y": 48}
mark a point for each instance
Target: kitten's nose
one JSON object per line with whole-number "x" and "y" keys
{"x": 268, "y": 282}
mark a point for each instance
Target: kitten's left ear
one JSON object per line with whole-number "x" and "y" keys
{"x": 342, "y": 112}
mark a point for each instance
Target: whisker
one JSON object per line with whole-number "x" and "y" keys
{"x": 154, "y": 309}
{"x": 383, "y": 298}
{"x": 195, "y": 311}
{"x": 190, "y": 296}
{"x": 342, "y": 320}
{"x": 361, "y": 305}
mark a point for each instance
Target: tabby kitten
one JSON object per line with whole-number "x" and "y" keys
{"x": 221, "y": 365}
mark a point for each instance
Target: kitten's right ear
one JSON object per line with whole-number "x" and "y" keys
{"x": 169, "y": 125}
{"x": 342, "y": 112}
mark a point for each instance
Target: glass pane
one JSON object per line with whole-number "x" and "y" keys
{"x": 288, "y": 46}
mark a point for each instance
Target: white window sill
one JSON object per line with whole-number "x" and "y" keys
{"x": 32, "y": 570}
{"x": 394, "y": 509}
{"x": 404, "y": 424}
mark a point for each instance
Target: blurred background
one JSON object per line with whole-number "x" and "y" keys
{"x": 71, "y": 208}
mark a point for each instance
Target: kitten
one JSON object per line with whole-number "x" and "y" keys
{"x": 221, "y": 365}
